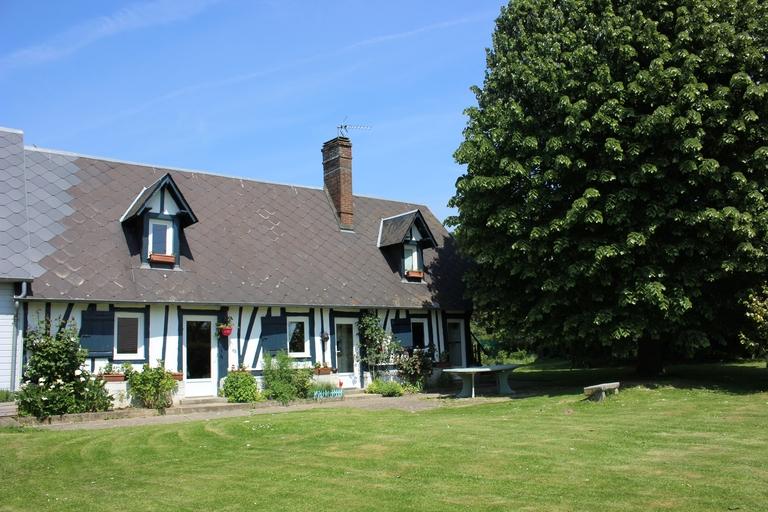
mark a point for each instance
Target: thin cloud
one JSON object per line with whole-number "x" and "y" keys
{"x": 249, "y": 76}
{"x": 410, "y": 33}
{"x": 133, "y": 17}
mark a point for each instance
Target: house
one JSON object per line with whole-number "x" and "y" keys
{"x": 147, "y": 260}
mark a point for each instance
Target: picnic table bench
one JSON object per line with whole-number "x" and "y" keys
{"x": 597, "y": 392}
{"x": 467, "y": 375}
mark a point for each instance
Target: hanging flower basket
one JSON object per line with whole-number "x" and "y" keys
{"x": 225, "y": 330}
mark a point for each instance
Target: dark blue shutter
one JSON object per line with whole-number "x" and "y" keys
{"x": 401, "y": 330}
{"x": 274, "y": 335}
{"x": 97, "y": 333}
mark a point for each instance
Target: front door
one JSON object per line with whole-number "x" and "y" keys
{"x": 347, "y": 353}
{"x": 200, "y": 347}
{"x": 455, "y": 340}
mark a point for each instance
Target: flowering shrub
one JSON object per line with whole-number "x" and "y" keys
{"x": 378, "y": 345}
{"x": 54, "y": 381}
{"x": 152, "y": 387}
{"x": 414, "y": 366}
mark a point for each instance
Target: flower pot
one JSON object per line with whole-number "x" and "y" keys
{"x": 177, "y": 376}
{"x": 323, "y": 371}
{"x": 226, "y": 330}
{"x": 113, "y": 377}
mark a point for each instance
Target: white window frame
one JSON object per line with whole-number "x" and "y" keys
{"x": 425, "y": 326}
{"x": 139, "y": 354}
{"x": 307, "y": 335}
{"x": 414, "y": 249}
{"x": 169, "y": 236}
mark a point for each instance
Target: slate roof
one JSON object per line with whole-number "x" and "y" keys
{"x": 394, "y": 229}
{"x": 254, "y": 242}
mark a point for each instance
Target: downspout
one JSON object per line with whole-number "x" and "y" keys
{"x": 14, "y": 347}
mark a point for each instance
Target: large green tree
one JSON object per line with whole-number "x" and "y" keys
{"x": 614, "y": 198}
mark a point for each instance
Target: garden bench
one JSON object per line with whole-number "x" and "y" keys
{"x": 597, "y": 392}
{"x": 467, "y": 375}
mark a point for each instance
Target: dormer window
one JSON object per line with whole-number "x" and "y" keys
{"x": 160, "y": 241}
{"x": 161, "y": 213}
{"x": 410, "y": 232}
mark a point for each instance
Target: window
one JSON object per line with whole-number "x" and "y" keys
{"x": 129, "y": 336}
{"x": 411, "y": 257}
{"x": 160, "y": 237}
{"x": 417, "y": 333}
{"x": 298, "y": 344}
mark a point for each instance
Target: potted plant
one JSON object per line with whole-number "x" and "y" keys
{"x": 225, "y": 327}
{"x": 111, "y": 374}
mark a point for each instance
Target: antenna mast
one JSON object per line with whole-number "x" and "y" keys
{"x": 342, "y": 129}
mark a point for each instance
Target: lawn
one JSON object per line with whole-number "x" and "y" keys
{"x": 680, "y": 443}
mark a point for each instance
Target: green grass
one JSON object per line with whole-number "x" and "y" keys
{"x": 681, "y": 443}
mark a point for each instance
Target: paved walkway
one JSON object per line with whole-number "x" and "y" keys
{"x": 409, "y": 403}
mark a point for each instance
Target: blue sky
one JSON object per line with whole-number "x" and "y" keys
{"x": 251, "y": 88}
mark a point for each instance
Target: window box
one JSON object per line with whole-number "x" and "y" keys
{"x": 113, "y": 377}
{"x": 415, "y": 274}
{"x": 177, "y": 376}
{"x": 325, "y": 371}
{"x": 162, "y": 258}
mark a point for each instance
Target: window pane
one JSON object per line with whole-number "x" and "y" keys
{"x": 159, "y": 238}
{"x": 127, "y": 335}
{"x": 411, "y": 257}
{"x": 297, "y": 340}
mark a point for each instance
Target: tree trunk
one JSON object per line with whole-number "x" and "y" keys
{"x": 650, "y": 357}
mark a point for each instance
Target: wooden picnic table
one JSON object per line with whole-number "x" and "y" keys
{"x": 467, "y": 375}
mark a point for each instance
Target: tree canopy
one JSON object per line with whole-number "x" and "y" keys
{"x": 614, "y": 195}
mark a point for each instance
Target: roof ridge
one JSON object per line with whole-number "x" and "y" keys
{"x": 165, "y": 167}
{"x": 199, "y": 171}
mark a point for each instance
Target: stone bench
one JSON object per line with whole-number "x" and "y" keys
{"x": 597, "y": 392}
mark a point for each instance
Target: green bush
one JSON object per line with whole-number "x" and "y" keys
{"x": 54, "y": 381}
{"x": 385, "y": 388}
{"x": 7, "y": 395}
{"x": 240, "y": 387}
{"x": 152, "y": 387}
{"x": 282, "y": 381}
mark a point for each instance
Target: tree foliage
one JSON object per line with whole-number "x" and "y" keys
{"x": 616, "y": 171}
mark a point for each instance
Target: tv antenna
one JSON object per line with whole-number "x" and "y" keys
{"x": 343, "y": 128}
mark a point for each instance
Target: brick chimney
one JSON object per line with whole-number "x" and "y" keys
{"x": 337, "y": 177}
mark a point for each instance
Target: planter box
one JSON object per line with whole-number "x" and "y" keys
{"x": 325, "y": 371}
{"x": 414, "y": 274}
{"x": 178, "y": 376}
{"x": 162, "y": 258}
{"x": 113, "y": 377}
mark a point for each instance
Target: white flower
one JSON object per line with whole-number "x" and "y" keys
{"x": 82, "y": 379}
{"x": 45, "y": 398}
{"x": 78, "y": 372}
{"x": 59, "y": 381}
{"x": 93, "y": 379}
{"x": 41, "y": 379}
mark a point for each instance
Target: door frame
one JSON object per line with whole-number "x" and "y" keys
{"x": 213, "y": 381}
{"x": 462, "y": 340}
{"x": 350, "y": 379}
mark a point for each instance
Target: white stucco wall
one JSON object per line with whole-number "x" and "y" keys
{"x": 7, "y": 317}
